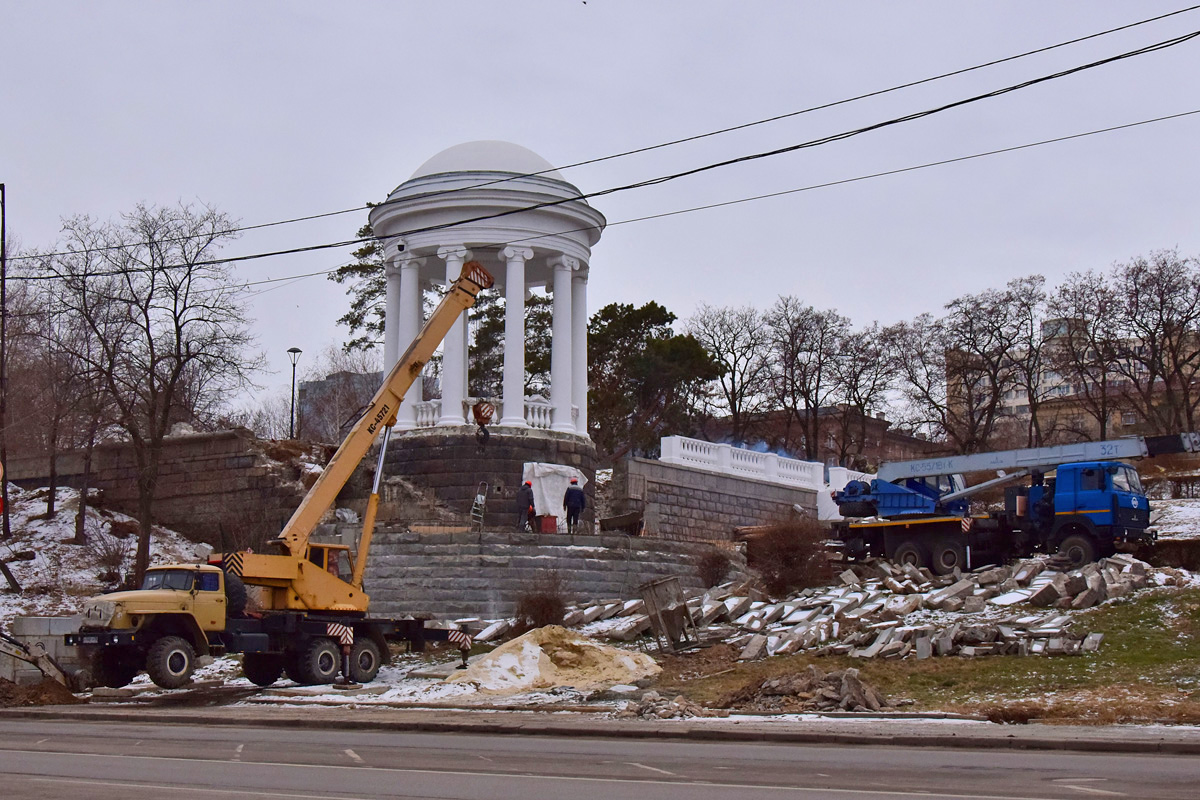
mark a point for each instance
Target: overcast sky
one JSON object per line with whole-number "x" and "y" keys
{"x": 271, "y": 110}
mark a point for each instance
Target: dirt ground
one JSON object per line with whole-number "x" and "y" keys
{"x": 46, "y": 693}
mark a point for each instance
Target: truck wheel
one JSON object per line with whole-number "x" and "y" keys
{"x": 365, "y": 661}
{"x": 320, "y": 662}
{"x": 1079, "y": 548}
{"x": 857, "y": 508}
{"x": 291, "y": 667}
{"x": 235, "y": 595}
{"x": 947, "y": 554}
{"x": 113, "y": 668}
{"x": 170, "y": 662}
{"x": 262, "y": 669}
{"x": 909, "y": 551}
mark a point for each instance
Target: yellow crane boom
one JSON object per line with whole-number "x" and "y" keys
{"x": 300, "y": 582}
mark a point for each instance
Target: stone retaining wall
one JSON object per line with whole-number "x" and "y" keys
{"x": 451, "y": 463}
{"x": 207, "y": 482}
{"x": 451, "y": 575}
{"x": 693, "y": 505}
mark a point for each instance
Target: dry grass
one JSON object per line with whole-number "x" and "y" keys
{"x": 542, "y": 603}
{"x": 789, "y": 556}
{"x": 1148, "y": 669}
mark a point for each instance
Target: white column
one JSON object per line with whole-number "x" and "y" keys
{"x": 579, "y": 350}
{"x": 411, "y": 317}
{"x": 560, "y": 344}
{"x": 391, "y": 314}
{"x": 514, "y": 335}
{"x": 454, "y": 353}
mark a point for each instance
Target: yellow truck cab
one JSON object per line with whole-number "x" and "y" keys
{"x": 161, "y": 627}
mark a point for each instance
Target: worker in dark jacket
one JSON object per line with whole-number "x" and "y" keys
{"x": 525, "y": 512}
{"x": 575, "y": 502}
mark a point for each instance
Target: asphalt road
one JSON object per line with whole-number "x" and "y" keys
{"x": 116, "y": 761}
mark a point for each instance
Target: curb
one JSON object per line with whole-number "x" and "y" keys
{"x": 705, "y": 733}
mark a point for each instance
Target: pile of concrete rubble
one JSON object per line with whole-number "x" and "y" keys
{"x": 870, "y": 614}
{"x": 811, "y": 690}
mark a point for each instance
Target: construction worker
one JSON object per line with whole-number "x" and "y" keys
{"x": 575, "y": 502}
{"x": 525, "y": 511}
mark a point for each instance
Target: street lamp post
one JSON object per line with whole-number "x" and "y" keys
{"x": 294, "y": 355}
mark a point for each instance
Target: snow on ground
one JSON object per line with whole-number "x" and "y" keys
{"x": 1176, "y": 519}
{"x": 62, "y": 576}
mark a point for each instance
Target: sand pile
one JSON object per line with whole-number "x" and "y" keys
{"x": 554, "y": 656}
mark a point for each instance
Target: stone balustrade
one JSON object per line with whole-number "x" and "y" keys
{"x": 539, "y": 413}
{"x": 738, "y": 462}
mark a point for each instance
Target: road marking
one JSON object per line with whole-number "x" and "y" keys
{"x": 237, "y": 752}
{"x": 539, "y": 777}
{"x": 41, "y": 741}
{"x": 652, "y": 769}
{"x": 355, "y": 757}
{"x": 1093, "y": 790}
{"x": 485, "y": 758}
{"x": 173, "y": 788}
{"x": 1078, "y": 780}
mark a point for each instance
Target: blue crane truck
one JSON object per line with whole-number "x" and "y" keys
{"x": 1082, "y": 500}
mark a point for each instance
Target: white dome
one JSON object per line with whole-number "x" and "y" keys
{"x": 488, "y": 156}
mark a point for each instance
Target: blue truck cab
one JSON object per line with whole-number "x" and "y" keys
{"x": 1100, "y": 500}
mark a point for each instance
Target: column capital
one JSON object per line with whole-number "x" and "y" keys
{"x": 511, "y": 253}
{"x": 410, "y": 261}
{"x": 448, "y": 252}
{"x": 563, "y": 262}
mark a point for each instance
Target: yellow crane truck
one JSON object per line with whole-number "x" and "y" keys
{"x": 312, "y": 623}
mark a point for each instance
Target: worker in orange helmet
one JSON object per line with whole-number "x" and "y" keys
{"x": 575, "y": 501}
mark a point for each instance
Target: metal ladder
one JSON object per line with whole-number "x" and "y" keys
{"x": 479, "y": 506}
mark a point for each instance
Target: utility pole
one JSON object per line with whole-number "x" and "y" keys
{"x": 7, "y": 529}
{"x": 294, "y": 356}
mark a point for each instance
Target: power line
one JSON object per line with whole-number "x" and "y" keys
{"x": 809, "y": 188}
{"x": 661, "y": 145}
{"x": 695, "y": 170}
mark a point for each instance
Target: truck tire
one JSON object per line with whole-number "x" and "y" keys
{"x": 113, "y": 668}
{"x": 235, "y": 595}
{"x": 170, "y": 662}
{"x": 1079, "y": 548}
{"x": 262, "y": 669}
{"x": 320, "y": 662}
{"x": 857, "y": 508}
{"x": 909, "y": 551}
{"x": 291, "y": 667}
{"x": 365, "y": 661}
{"x": 947, "y": 553}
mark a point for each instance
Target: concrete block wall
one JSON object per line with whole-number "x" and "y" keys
{"x": 691, "y": 505}
{"x": 451, "y": 575}
{"x": 46, "y": 631}
{"x": 205, "y": 480}
{"x": 451, "y": 465}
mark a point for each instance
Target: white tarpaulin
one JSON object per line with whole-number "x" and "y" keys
{"x": 550, "y": 482}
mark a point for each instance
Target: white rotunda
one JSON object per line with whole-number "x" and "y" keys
{"x": 505, "y": 206}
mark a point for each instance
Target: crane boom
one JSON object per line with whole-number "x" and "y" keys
{"x": 381, "y": 412}
{"x": 1041, "y": 457}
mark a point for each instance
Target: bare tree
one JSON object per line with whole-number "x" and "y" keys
{"x": 955, "y": 370}
{"x": 738, "y": 340}
{"x": 166, "y": 327}
{"x": 1159, "y": 357}
{"x": 864, "y": 372}
{"x": 805, "y": 343}
{"x": 1083, "y": 347}
{"x": 1026, "y": 299}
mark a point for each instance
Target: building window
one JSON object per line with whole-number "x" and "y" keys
{"x": 1129, "y": 418}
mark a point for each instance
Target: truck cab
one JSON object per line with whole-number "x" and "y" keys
{"x": 161, "y": 627}
{"x": 1102, "y": 500}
